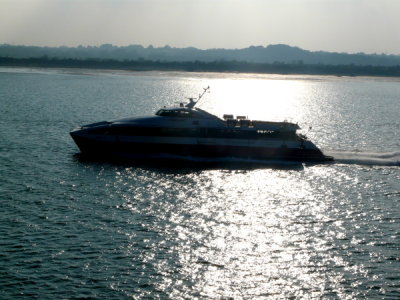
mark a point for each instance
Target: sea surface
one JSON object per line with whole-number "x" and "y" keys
{"x": 78, "y": 229}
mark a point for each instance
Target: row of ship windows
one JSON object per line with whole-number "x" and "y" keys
{"x": 193, "y": 132}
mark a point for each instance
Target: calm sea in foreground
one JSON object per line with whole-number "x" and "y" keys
{"x": 71, "y": 228}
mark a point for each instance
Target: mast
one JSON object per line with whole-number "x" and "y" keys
{"x": 192, "y": 101}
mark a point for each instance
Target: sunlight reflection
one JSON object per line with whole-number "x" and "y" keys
{"x": 273, "y": 99}
{"x": 237, "y": 233}
{"x": 248, "y": 238}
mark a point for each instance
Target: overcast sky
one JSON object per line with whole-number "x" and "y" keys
{"x": 370, "y": 26}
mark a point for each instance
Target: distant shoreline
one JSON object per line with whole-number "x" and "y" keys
{"x": 220, "y": 66}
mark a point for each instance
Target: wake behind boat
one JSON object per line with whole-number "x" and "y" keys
{"x": 188, "y": 132}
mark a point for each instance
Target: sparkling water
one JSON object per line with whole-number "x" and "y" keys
{"x": 71, "y": 228}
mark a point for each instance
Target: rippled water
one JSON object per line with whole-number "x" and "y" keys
{"x": 82, "y": 229}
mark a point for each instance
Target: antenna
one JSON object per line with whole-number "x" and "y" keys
{"x": 192, "y": 101}
{"x": 201, "y": 95}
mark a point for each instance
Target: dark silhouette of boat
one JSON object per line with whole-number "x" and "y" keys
{"x": 188, "y": 132}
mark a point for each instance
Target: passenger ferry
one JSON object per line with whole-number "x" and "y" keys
{"x": 188, "y": 132}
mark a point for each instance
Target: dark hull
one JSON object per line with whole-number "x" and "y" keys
{"x": 207, "y": 151}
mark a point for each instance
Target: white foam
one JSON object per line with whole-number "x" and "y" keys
{"x": 366, "y": 158}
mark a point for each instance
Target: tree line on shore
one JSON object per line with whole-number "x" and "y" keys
{"x": 253, "y": 54}
{"x": 296, "y": 67}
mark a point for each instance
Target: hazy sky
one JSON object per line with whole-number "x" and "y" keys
{"x": 370, "y": 26}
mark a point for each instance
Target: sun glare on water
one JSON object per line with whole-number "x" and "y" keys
{"x": 274, "y": 100}
{"x": 231, "y": 238}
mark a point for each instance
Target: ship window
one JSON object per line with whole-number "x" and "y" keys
{"x": 174, "y": 113}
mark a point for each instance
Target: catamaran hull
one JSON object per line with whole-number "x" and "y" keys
{"x": 118, "y": 147}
